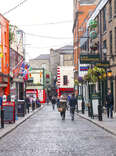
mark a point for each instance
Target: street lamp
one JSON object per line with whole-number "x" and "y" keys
{"x": 109, "y": 73}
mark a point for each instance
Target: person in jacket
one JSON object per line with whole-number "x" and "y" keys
{"x": 27, "y": 101}
{"x": 63, "y": 105}
{"x": 109, "y": 100}
{"x": 38, "y": 102}
{"x": 72, "y": 104}
{"x": 53, "y": 102}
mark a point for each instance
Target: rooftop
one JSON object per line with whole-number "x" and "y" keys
{"x": 65, "y": 49}
{"x": 87, "y": 1}
{"x": 42, "y": 57}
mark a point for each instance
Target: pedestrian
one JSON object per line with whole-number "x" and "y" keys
{"x": 63, "y": 106}
{"x": 109, "y": 105}
{"x": 53, "y": 102}
{"x": 38, "y": 102}
{"x": 47, "y": 100}
{"x": 72, "y": 104}
{"x": 27, "y": 101}
{"x": 58, "y": 101}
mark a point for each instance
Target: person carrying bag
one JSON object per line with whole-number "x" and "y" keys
{"x": 62, "y": 106}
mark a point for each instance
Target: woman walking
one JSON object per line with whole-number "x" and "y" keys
{"x": 63, "y": 106}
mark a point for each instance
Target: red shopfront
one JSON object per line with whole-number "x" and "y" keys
{"x": 37, "y": 94}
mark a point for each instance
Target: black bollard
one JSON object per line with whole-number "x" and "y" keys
{"x": 2, "y": 118}
{"x": 99, "y": 112}
{"x": 83, "y": 106}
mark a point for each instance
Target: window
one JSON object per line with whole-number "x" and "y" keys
{"x": 110, "y": 38}
{"x": 65, "y": 80}
{"x": 104, "y": 44}
{"x": 104, "y": 19}
{"x": 115, "y": 38}
{"x": 114, "y": 6}
{"x": 110, "y": 9}
{"x": 44, "y": 66}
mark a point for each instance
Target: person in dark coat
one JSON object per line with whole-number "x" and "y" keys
{"x": 109, "y": 100}
{"x": 53, "y": 102}
{"x": 72, "y": 104}
{"x": 27, "y": 101}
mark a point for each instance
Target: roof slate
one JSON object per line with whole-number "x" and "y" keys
{"x": 42, "y": 57}
{"x": 87, "y": 1}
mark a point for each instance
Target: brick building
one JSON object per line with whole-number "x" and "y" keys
{"x": 81, "y": 10}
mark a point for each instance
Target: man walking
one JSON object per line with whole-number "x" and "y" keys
{"x": 72, "y": 103}
{"x": 109, "y": 100}
{"x": 53, "y": 102}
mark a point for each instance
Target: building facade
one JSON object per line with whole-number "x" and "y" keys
{"x": 60, "y": 57}
{"x": 43, "y": 62}
{"x": 81, "y": 10}
{"x": 4, "y": 57}
{"x": 17, "y": 57}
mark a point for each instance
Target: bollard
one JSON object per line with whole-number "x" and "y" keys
{"x": 2, "y": 118}
{"x": 83, "y": 107}
{"x": 99, "y": 112}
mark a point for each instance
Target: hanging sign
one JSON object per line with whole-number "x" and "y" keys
{"x": 89, "y": 58}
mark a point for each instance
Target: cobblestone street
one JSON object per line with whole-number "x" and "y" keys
{"x": 45, "y": 134}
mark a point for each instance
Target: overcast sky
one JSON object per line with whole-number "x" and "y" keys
{"x": 50, "y": 20}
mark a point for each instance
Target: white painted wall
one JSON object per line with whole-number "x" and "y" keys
{"x": 66, "y": 70}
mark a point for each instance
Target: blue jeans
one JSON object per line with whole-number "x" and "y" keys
{"x": 72, "y": 111}
{"x": 110, "y": 111}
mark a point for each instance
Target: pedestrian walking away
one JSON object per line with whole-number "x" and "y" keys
{"x": 38, "y": 102}
{"x": 109, "y": 105}
{"x": 53, "y": 102}
{"x": 27, "y": 101}
{"x": 72, "y": 104}
{"x": 62, "y": 106}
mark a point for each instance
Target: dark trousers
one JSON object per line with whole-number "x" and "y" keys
{"x": 53, "y": 106}
{"x": 72, "y": 111}
{"x": 63, "y": 115}
{"x": 110, "y": 111}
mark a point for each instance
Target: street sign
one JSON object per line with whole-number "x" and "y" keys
{"x": 105, "y": 64}
{"x": 89, "y": 58}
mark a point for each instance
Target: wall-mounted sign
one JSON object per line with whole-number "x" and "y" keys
{"x": 105, "y": 64}
{"x": 89, "y": 58}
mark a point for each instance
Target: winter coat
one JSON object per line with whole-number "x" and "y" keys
{"x": 109, "y": 100}
{"x": 53, "y": 101}
{"x": 73, "y": 102}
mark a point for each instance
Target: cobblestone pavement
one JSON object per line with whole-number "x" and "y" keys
{"x": 45, "y": 134}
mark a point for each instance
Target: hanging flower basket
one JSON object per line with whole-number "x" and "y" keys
{"x": 95, "y": 74}
{"x": 93, "y": 34}
{"x": 93, "y": 24}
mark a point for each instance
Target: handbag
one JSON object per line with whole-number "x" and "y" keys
{"x": 60, "y": 109}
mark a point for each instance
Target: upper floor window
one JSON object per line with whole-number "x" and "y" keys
{"x": 115, "y": 38}
{"x": 114, "y": 6}
{"x": 110, "y": 9}
{"x": 110, "y": 38}
{"x": 104, "y": 19}
{"x": 44, "y": 66}
{"x": 65, "y": 80}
